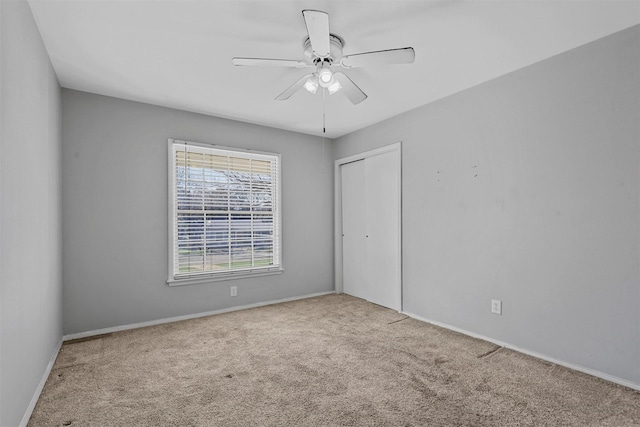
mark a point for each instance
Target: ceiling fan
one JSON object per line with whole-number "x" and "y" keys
{"x": 323, "y": 51}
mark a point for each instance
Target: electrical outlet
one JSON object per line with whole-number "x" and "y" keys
{"x": 496, "y": 306}
{"x": 234, "y": 291}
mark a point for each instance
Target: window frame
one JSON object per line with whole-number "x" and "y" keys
{"x": 206, "y": 277}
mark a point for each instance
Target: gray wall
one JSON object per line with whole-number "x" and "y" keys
{"x": 30, "y": 206}
{"x": 525, "y": 189}
{"x": 114, "y": 184}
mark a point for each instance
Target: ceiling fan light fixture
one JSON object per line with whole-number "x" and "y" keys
{"x": 325, "y": 76}
{"x": 334, "y": 87}
{"x": 311, "y": 85}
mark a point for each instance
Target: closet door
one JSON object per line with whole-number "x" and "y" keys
{"x": 370, "y": 229}
{"x": 382, "y": 206}
{"x": 353, "y": 229}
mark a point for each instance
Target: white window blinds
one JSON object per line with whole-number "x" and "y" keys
{"x": 225, "y": 215}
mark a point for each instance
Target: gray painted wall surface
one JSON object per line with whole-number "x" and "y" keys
{"x": 115, "y": 212}
{"x": 30, "y": 206}
{"x": 526, "y": 189}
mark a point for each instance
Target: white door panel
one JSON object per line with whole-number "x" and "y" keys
{"x": 353, "y": 229}
{"x": 371, "y": 228}
{"x": 382, "y": 216}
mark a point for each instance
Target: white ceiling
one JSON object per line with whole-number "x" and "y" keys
{"x": 178, "y": 53}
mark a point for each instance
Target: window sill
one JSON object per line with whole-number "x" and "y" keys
{"x": 222, "y": 277}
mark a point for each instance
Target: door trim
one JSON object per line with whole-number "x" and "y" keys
{"x": 337, "y": 181}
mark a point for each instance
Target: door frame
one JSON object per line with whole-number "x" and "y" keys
{"x": 337, "y": 181}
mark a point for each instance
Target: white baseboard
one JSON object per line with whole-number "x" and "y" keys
{"x": 589, "y": 371}
{"x": 43, "y": 380}
{"x": 185, "y": 317}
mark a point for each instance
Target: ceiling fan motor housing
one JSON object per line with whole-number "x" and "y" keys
{"x": 336, "y": 44}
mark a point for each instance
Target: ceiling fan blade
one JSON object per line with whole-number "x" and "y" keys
{"x": 266, "y": 62}
{"x": 404, "y": 55}
{"x": 351, "y": 90}
{"x": 293, "y": 88}
{"x": 318, "y": 28}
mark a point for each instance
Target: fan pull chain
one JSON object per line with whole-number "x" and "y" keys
{"x": 324, "y": 110}
{"x": 324, "y": 105}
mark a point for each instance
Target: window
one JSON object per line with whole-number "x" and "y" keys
{"x": 224, "y": 213}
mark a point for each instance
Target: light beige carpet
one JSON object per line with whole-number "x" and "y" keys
{"x": 327, "y": 361}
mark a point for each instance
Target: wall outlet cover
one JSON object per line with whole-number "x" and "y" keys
{"x": 496, "y": 306}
